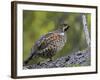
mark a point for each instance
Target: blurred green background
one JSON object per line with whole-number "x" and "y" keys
{"x": 38, "y": 23}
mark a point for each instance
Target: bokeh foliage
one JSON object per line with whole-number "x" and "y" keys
{"x": 38, "y": 23}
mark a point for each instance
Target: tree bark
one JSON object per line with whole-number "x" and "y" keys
{"x": 85, "y": 29}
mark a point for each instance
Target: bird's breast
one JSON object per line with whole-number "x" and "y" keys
{"x": 52, "y": 44}
{"x": 57, "y": 40}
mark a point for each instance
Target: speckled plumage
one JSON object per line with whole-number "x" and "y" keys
{"x": 49, "y": 44}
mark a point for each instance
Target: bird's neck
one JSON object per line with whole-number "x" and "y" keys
{"x": 59, "y": 31}
{"x": 62, "y": 33}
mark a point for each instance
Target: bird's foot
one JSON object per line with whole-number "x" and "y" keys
{"x": 50, "y": 60}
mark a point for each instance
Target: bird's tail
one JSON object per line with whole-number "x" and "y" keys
{"x": 29, "y": 58}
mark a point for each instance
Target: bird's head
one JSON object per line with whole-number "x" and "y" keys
{"x": 65, "y": 27}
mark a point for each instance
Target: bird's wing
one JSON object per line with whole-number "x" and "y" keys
{"x": 42, "y": 43}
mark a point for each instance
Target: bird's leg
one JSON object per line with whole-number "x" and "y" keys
{"x": 50, "y": 59}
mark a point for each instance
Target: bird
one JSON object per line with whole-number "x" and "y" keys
{"x": 49, "y": 44}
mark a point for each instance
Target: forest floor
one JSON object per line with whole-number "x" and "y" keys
{"x": 75, "y": 59}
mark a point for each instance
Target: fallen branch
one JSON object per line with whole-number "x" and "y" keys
{"x": 80, "y": 58}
